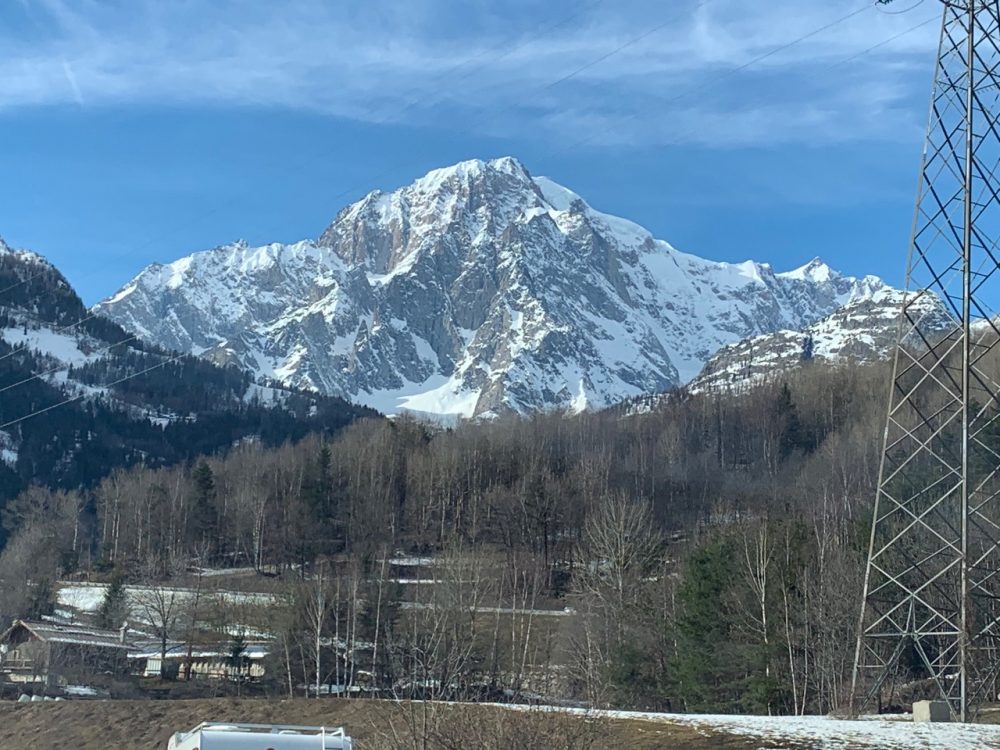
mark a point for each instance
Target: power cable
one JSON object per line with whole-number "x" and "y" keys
{"x": 884, "y": 42}
{"x": 896, "y": 12}
{"x": 715, "y": 80}
{"x": 765, "y": 56}
{"x": 81, "y": 396}
{"x": 60, "y": 368}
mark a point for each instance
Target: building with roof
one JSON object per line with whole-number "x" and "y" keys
{"x": 56, "y": 653}
{"x": 206, "y": 662}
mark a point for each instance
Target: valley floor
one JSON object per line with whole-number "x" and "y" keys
{"x": 147, "y": 725}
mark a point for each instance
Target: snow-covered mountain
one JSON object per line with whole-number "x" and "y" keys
{"x": 863, "y": 330}
{"x": 475, "y": 290}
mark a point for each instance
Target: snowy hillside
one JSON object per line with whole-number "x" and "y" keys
{"x": 476, "y": 290}
{"x": 864, "y": 330}
{"x": 80, "y": 396}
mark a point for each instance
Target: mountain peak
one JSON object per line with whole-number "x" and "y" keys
{"x": 508, "y": 164}
{"x": 22, "y": 255}
{"x": 471, "y": 169}
{"x": 816, "y": 271}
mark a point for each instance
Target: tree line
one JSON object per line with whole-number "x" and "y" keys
{"x": 708, "y": 550}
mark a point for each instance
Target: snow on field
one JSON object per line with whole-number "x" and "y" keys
{"x": 565, "y": 612}
{"x": 227, "y": 572}
{"x": 823, "y": 733}
{"x": 416, "y": 581}
{"x": 81, "y": 598}
{"x": 87, "y": 597}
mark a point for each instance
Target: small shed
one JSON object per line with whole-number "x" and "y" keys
{"x": 53, "y": 653}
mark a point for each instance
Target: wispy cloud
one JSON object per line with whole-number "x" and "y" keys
{"x": 488, "y": 66}
{"x": 74, "y": 87}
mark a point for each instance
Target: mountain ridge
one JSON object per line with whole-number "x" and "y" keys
{"x": 476, "y": 290}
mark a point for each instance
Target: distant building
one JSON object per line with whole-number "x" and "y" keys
{"x": 206, "y": 662}
{"x": 54, "y": 653}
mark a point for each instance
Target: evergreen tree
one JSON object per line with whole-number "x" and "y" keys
{"x": 237, "y": 657}
{"x": 318, "y": 497}
{"x": 710, "y": 668}
{"x": 203, "y": 514}
{"x": 113, "y": 611}
{"x": 786, "y": 416}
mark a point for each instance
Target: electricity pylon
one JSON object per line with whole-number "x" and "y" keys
{"x": 931, "y": 607}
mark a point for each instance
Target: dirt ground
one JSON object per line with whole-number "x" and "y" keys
{"x": 147, "y": 725}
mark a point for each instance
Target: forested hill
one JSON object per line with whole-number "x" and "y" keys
{"x": 705, "y": 555}
{"x": 79, "y": 396}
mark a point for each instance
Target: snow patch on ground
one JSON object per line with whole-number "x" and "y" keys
{"x": 8, "y": 448}
{"x": 823, "y": 732}
{"x": 820, "y": 732}
{"x": 82, "y": 598}
{"x": 438, "y": 395}
{"x": 80, "y": 691}
{"x": 412, "y": 562}
{"x": 60, "y": 346}
{"x": 87, "y": 597}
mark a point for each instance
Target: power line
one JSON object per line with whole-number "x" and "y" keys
{"x": 786, "y": 46}
{"x": 699, "y": 89}
{"x": 884, "y": 42}
{"x": 916, "y": 5}
{"x": 60, "y": 368}
{"x": 57, "y": 331}
{"x": 621, "y": 48}
{"x": 80, "y": 397}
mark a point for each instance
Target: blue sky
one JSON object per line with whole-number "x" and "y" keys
{"x": 134, "y": 131}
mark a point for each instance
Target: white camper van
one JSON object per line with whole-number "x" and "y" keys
{"x": 213, "y": 735}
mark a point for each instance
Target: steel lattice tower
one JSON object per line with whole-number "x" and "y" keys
{"x": 932, "y": 585}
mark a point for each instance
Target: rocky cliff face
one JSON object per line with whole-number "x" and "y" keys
{"x": 476, "y": 290}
